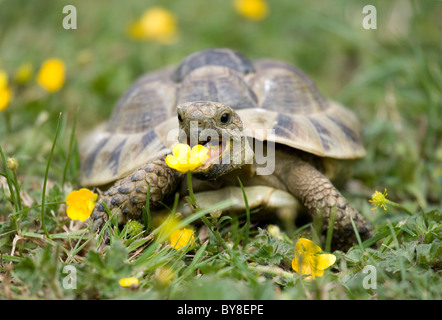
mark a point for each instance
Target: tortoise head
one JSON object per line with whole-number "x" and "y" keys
{"x": 220, "y": 129}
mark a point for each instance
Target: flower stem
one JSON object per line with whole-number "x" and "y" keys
{"x": 189, "y": 184}
{"x": 397, "y": 205}
{"x": 206, "y": 221}
{"x": 16, "y": 184}
{"x": 358, "y": 237}
{"x": 43, "y": 197}
{"x": 215, "y": 233}
{"x": 71, "y": 143}
{"x": 9, "y": 181}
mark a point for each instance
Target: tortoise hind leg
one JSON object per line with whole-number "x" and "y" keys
{"x": 128, "y": 195}
{"x": 319, "y": 195}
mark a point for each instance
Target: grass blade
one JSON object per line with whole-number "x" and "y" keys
{"x": 43, "y": 197}
{"x": 358, "y": 237}
{"x": 71, "y": 143}
{"x": 246, "y": 203}
{"x": 17, "y": 189}
{"x": 8, "y": 180}
{"x": 331, "y": 223}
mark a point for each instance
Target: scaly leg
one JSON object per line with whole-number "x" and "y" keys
{"x": 128, "y": 195}
{"x": 319, "y": 195}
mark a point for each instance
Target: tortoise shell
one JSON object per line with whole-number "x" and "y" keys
{"x": 269, "y": 95}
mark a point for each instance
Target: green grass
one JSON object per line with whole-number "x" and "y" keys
{"x": 390, "y": 77}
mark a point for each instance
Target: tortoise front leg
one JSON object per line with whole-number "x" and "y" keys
{"x": 319, "y": 195}
{"x": 128, "y": 195}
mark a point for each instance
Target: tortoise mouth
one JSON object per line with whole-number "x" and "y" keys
{"x": 218, "y": 149}
{"x": 226, "y": 153}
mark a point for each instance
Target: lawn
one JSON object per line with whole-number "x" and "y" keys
{"x": 390, "y": 77}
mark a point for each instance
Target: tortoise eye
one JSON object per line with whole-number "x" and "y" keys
{"x": 225, "y": 118}
{"x": 180, "y": 119}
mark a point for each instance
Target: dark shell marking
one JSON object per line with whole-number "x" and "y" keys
{"x": 213, "y": 57}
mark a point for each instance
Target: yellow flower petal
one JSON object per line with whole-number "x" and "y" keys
{"x": 72, "y": 213}
{"x": 309, "y": 261}
{"x": 302, "y": 266}
{"x": 252, "y": 9}
{"x": 175, "y": 163}
{"x": 172, "y": 161}
{"x": 128, "y": 282}
{"x": 323, "y": 261}
{"x": 185, "y": 159}
{"x": 199, "y": 155}
{"x": 80, "y": 204}
{"x": 5, "y": 98}
{"x": 379, "y": 199}
{"x": 306, "y": 247}
{"x": 181, "y": 237}
{"x": 159, "y": 24}
{"x": 181, "y": 151}
{"x": 166, "y": 226}
{"x": 156, "y": 24}
{"x": 51, "y": 76}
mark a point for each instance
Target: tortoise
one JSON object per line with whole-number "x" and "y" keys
{"x": 265, "y": 104}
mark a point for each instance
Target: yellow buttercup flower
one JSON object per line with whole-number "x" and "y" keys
{"x": 185, "y": 159}
{"x": 129, "y": 282}
{"x": 379, "y": 199}
{"x": 51, "y": 76}
{"x": 5, "y": 98}
{"x": 156, "y": 24}
{"x": 5, "y": 91}
{"x": 309, "y": 261}
{"x": 252, "y": 9}
{"x": 80, "y": 204}
{"x": 181, "y": 237}
{"x": 166, "y": 225}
